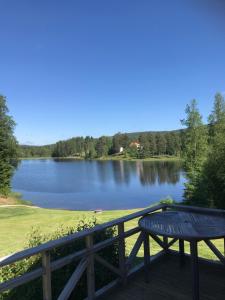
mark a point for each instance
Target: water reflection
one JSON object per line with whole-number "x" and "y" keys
{"x": 121, "y": 172}
{"x": 161, "y": 172}
{"x": 149, "y": 173}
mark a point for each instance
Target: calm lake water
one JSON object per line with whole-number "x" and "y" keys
{"x": 89, "y": 185}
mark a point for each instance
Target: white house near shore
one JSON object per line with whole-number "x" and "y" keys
{"x": 121, "y": 149}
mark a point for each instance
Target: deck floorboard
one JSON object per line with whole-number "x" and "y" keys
{"x": 170, "y": 281}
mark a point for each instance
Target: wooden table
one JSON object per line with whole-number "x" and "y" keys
{"x": 189, "y": 226}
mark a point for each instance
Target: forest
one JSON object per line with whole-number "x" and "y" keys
{"x": 134, "y": 145}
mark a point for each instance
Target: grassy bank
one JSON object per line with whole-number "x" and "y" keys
{"x": 14, "y": 199}
{"x": 154, "y": 158}
{"x": 112, "y": 157}
{"x": 16, "y": 223}
{"x": 50, "y": 157}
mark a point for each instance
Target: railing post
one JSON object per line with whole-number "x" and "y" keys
{"x": 46, "y": 277}
{"x": 165, "y": 239}
{"x": 195, "y": 269}
{"x": 122, "y": 252}
{"x": 90, "y": 268}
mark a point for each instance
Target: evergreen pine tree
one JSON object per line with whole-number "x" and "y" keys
{"x": 214, "y": 171}
{"x": 161, "y": 143}
{"x": 194, "y": 152}
{"x": 152, "y": 144}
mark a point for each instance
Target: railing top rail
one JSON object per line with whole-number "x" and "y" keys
{"x": 78, "y": 235}
{"x": 197, "y": 209}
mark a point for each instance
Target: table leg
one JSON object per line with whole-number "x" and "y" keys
{"x": 195, "y": 270}
{"x": 181, "y": 251}
{"x": 165, "y": 242}
{"x": 224, "y": 246}
{"x": 146, "y": 256}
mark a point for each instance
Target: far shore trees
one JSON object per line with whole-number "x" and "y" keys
{"x": 151, "y": 144}
{"x": 8, "y": 148}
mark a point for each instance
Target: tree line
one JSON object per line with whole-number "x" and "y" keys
{"x": 146, "y": 145}
{"x": 35, "y": 151}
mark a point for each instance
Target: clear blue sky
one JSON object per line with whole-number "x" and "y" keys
{"x": 73, "y": 68}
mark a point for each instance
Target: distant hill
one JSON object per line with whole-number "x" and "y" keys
{"x": 135, "y": 135}
{"x": 131, "y": 135}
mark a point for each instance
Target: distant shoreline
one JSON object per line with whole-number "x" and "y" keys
{"x": 109, "y": 158}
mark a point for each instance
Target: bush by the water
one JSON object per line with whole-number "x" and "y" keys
{"x": 33, "y": 289}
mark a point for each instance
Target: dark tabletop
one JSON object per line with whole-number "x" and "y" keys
{"x": 184, "y": 225}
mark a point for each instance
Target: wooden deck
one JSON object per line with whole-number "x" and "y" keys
{"x": 170, "y": 281}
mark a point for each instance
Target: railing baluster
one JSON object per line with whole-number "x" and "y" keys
{"x": 46, "y": 277}
{"x": 146, "y": 255}
{"x": 122, "y": 252}
{"x": 165, "y": 239}
{"x": 90, "y": 268}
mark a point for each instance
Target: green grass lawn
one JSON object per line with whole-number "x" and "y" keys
{"x": 16, "y": 223}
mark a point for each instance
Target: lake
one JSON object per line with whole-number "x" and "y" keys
{"x": 90, "y": 185}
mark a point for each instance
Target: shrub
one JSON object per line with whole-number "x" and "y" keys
{"x": 33, "y": 289}
{"x": 167, "y": 200}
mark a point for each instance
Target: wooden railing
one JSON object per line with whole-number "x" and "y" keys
{"x": 89, "y": 254}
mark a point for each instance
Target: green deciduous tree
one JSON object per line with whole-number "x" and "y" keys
{"x": 8, "y": 148}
